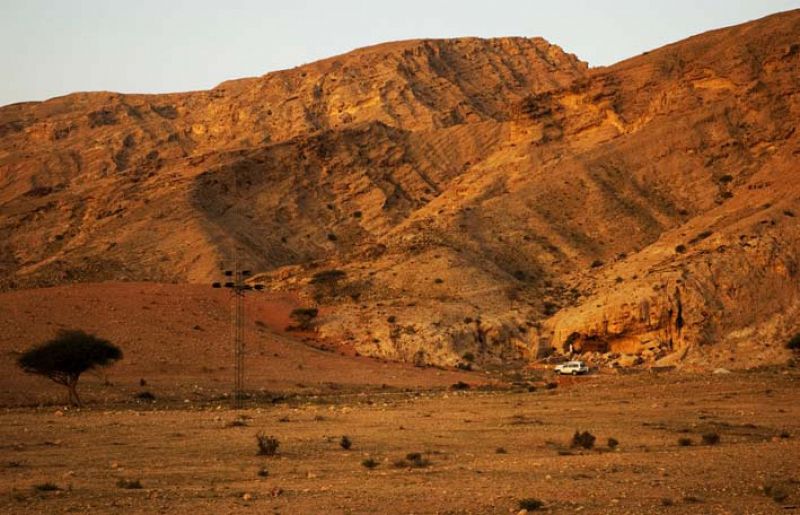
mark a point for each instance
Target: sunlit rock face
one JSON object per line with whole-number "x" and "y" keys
{"x": 489, "y": 198}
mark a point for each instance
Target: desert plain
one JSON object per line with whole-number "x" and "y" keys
{"x": 483, "y": 450}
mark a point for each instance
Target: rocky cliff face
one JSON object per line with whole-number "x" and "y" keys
{"x": 485, "y": 197}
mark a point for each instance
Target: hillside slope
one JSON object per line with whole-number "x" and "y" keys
{"x": 495, "y": 197}
{"x": 176, "y": 337}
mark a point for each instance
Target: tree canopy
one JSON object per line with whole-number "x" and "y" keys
{"x": 303, "y": 317}
{"x": 64, "y": 358}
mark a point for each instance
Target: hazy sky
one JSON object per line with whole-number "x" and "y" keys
{"x": 54, "y": 47}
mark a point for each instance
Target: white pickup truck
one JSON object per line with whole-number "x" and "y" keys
{"x": 572, "y": 367}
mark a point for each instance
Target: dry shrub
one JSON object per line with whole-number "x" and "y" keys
{"x": 46, "y": 487}
{"x": 129, "y": 484}
{"x": 416, "y": 460}
{"x": 585, "y": 440}
{"x": 145, "y": 396}
{"x": 369, "y": 463}
{"x": 530, "y": 504}
{"x": 267, "y": 445}
{"x": 776, "y": 492}
{"x": 237, "y": 422}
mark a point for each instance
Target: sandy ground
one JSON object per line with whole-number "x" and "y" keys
{"x": 190, "y": 459}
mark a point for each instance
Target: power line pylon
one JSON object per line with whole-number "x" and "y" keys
{"x": 238, "y": 285}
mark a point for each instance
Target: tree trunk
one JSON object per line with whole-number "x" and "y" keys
{"x": 74, "y": 400}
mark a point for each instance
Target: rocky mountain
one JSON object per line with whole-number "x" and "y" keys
{"x": 440, "y": 198}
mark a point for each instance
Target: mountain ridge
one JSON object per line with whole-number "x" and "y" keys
{"x": 492, "y": 197}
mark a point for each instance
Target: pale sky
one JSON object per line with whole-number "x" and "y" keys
{"x": 55, "y": 47}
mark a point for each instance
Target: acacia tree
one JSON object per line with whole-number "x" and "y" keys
{"x": 64, "y": 358}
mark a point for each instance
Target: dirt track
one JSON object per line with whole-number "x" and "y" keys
{"x": 188, "y": 460}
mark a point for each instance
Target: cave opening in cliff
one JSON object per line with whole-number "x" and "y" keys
{"x": 578, "y": 343}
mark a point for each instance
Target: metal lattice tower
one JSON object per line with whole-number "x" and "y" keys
{"x": 238, "y": 286}
{"x": 238, "y": 338}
